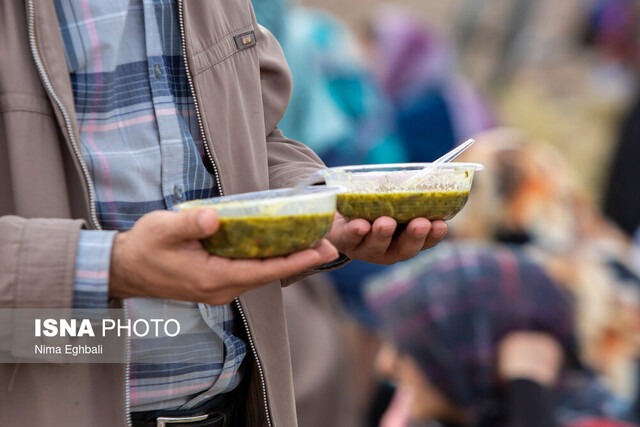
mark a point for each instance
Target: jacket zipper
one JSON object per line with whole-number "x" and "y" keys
{"x": 85, "y": 171}
{"x": 258, "y": 364}
{"x": 127, "y": 371}
{"x": 215, "y": 169}
{"x": 67, "y": 121}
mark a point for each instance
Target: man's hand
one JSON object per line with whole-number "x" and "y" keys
{"x": 161, "y": 256}
{"x": 379, "y": 243}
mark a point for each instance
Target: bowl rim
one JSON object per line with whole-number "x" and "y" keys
{"x": 405, "y": 166}
{"x": 308, "y": 193}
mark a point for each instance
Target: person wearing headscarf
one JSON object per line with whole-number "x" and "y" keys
{"x": 525, "y": 208}
{"x": 433, "y": 106}
{"x": 486, "y": 339}
{"x": 528, "y": 195}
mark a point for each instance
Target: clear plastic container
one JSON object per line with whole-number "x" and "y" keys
{"x": 263, "y": 224}
{"x": 403, "y": 191}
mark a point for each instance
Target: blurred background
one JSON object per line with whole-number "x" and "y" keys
{"x": 564, "y": 71}
{"x": 550, "y": 91}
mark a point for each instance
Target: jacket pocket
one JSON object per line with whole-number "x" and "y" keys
{"x": 211, "y": 28}
{"x": 241, "y": 40}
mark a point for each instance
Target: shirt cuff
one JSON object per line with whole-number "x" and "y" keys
{"x": 91, "y": 287}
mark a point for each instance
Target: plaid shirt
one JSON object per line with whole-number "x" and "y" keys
{"x": 141, "y": 139}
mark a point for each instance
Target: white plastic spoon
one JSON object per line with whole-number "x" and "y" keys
{"x": 421, "y": 175}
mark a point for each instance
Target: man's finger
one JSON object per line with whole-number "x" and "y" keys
{"x": 260, "y": 272}
{"x": 191, "y": 224}
{"x": 438, "y": 231}
{"x": 412, "y": 239}
{"x": 347, "y": 235}
{"x": 327, "y": 251}
{"x": 378, "y": 240}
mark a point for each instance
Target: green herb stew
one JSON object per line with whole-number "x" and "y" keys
{"x": 264, "y": 237}
{"x": 403, "y": 207}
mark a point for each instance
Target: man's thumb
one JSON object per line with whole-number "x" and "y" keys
{"x": 194, "y": 224}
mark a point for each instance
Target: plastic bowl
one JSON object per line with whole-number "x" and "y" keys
{"x": 263, "y": 224}
{"x": 393, "y": 190}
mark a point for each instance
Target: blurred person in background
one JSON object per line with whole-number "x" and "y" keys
{"x": 336, "y": 106}
{"x": 621, "y": 202}
{"x": 537, "y": 203}
{"x": 528, "y": 199}
{"x": 433, "y": 106}
{"x": 485, "y": 338}
{"x": 611, "y": 30}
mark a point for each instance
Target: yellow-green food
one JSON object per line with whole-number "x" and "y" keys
{"x": 403, "y": 207}
{"x": 264, "y": 237}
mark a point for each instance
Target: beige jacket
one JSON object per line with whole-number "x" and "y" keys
{"x": 46, "y": 197}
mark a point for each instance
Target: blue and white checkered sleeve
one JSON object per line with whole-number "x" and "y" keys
{"x": 92, "y": 269}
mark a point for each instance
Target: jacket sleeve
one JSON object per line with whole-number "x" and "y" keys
{"x": 37, "y": 262}
{"x": 42, "y": 267}
{"x": 289, "y": 160}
